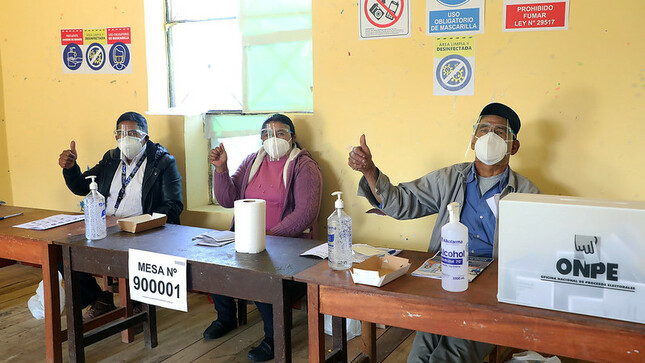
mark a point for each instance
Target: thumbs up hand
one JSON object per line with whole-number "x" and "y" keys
{"x": 360, "y": 158}
{"x": 67, "y": 158}
{"x": 218, "y": 158}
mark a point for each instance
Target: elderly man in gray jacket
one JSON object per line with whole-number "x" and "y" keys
{"x": 473, "y": 185}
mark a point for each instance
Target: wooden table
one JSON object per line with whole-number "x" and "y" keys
{"x": 36, "y": 247}
{"x": 421, "y": 304}
{"x": 263, "y": 277}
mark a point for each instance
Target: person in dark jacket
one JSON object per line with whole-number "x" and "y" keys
{"x": 137, "y": 177}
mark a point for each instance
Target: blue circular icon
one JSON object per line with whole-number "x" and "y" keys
{"x": 95, "y": 56}
{"x": 452, "y": 3}
{"x": 72, "y": 56}
{"x": 119, "y": 56}
{"x": 454, "y": 72}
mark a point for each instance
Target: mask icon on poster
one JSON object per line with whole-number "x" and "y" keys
{"x": 118, "y": 57}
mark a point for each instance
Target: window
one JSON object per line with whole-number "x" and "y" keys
{"x": 245, "y": 56}
{"x": 235, "y": 61}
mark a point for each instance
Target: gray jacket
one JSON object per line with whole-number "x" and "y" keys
{"x": 431, "y": 194}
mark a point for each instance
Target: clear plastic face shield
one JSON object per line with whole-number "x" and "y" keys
{"x": 491, "y": 140}
{"x": 130, "y": 138}
{"x": 276, "y": 140}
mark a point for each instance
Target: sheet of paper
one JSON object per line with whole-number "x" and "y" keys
{"x": 318, "y": 251}
{"x": 361, "y": 252}
{"x": 213, "y": 244}
{"x": 215, "y": 238}
{"x": 493, "y": 202}
{"x": 51, "y": 222}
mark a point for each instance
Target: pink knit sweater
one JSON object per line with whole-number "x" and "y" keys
{"x": 302, "y": 197}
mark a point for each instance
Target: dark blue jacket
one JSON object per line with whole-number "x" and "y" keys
{"x": 161, "y": 190}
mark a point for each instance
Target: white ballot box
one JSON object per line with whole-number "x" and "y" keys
{"x": 573, "y": 254}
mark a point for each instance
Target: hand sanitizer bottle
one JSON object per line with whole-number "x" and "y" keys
{"x": 339, "y": 237}
{"x": 94, "y": 205}
{"x": 454, "y": 252}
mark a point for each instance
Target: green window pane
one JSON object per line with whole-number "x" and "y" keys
{"x": 279, "y": 77}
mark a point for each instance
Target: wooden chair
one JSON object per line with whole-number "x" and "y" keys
{"x": 119, "y": 286}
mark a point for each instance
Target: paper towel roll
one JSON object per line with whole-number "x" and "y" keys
{"x": 250, "y": 222}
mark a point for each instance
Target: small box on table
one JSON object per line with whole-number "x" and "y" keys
{"x": 141, "y": 223}
{"x": 378, "y": 271}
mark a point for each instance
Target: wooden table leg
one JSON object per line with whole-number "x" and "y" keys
{"x": 315, "y": 322}
{"x": 53, "y": 340}
{"x": 339, "y": 335}
{"x": 150, "y": 326}
{"x": 282, "y": 316}
{"x": 368, "y": 336}
{"x": 75, "y": 342}
{"x": 127, "y": 336}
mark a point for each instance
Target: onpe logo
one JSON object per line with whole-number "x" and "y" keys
{"x": 586, "y": 261}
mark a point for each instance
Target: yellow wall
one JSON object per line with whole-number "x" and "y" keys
{"x": 46, "y": 109}
{"x": 5, "y": 183}
{"x": 578, "y": 92}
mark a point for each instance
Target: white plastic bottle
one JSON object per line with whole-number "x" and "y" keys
{"x": 454, "y": 252}
{"x": 339, "y": 237}
{"x": 94, "y": 206}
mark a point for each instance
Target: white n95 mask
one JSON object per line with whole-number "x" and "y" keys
{"x": 276, "y": 147}
{"x": 490, "y": 149}
{"x": 130, "y": 146}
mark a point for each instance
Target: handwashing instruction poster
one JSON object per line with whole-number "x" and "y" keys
{"x": 454, "y": 66}
{"x": 454, "y": 17}
{"x": 91, "y": 51}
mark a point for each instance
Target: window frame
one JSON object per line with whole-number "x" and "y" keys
{"x": 252, "y": 40}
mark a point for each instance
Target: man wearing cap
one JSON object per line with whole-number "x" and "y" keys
{"x": 137, "y": 177}
{"x": 472, "y": 185}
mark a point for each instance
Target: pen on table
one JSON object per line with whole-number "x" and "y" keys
{"x": 11, "y": 215}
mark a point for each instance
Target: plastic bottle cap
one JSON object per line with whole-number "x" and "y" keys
{"x": 93, "y": 185}
{"x": 339, "y": 202}
{"x": 453, "y": 210}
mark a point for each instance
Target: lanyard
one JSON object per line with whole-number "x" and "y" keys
{"x": 125, "y": 181}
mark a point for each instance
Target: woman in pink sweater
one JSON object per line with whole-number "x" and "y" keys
{"x": 289, "y": 180}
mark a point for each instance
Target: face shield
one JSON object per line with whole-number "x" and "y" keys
{"x": 491, "y": 141}
{"x": 130, "y": 139}
{"x": 276, "y": 141}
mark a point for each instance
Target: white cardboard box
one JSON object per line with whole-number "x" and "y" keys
{"x": 573, "y": 254}
{"x": 378, "y": 271}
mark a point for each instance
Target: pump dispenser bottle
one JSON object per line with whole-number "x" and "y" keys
{"x": 339, "y": 237}
{"x": 94, "y": 206}
{"x": 454, "y": 252}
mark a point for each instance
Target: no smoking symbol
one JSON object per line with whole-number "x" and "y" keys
{"x": 454, "y": 72}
